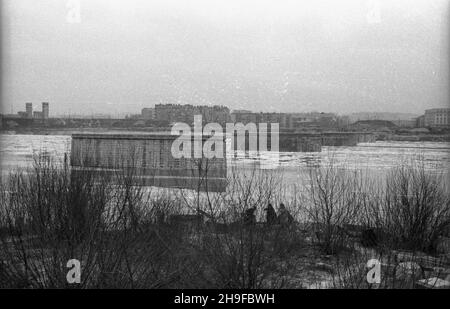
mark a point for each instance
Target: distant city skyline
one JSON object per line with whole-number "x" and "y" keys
{"x": 172, "y": 109}
{"x": 26, "y": 106}
{"x": 289, "y": 56}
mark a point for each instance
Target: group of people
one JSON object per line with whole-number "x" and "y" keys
{"x": 284, "y": 217}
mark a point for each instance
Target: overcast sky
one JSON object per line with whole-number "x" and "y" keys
{"x": 121, "y": 55}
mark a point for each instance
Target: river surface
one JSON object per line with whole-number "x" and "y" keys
{"x": 375, "y": 158}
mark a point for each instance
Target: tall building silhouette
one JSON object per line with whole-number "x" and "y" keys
{"x": 29, "y": 110}
{"x": 45, "y": 110}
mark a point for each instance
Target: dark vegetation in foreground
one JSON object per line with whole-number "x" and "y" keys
{"x": 130, "y": 237}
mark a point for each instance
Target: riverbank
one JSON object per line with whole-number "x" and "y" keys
{"x": 70, "y": 131}
{"x": 125, "y": 238}
{"x": 404, "y": 136}
{"x": 416, "y": 138}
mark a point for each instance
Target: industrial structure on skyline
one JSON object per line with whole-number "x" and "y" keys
{"x": 30, "y": 114}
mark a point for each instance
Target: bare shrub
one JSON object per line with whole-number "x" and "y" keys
{"x": 50, "y": 215}
{"x": 414, "y": 208}
{"x": 332, "y": 201}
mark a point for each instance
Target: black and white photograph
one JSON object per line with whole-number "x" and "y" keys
{"x": 225, "y": 151}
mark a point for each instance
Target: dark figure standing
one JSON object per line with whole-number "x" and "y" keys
{"x": 284, "y": 216}
{"x": 271, "y": 215}
{"x": 249, "y": 216}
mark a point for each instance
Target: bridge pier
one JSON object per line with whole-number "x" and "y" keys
{"x": 147, "y": 159}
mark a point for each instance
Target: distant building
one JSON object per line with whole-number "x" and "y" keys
{"x": 313, "y": 119}
{"x": 175, "y": 113}
{"x": 373, "y": 125}
{"x": 244, "y": 116}
{"x": 215, "y": 113}
{"x": 29, "y": 110}
{"x": 405, "y": 123}
{"x": 37, "y": 115}
{"x": 437, "y": 117}
{"x": 185, "y": 113}
{"x": 420, "y": 122}
{"x": 300, "y": 120}
{"x": 45, "y": 110}
{"x": 148, "y": 113}
{"x": 285, "y": 120}
{"x": 381, "y": 116}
